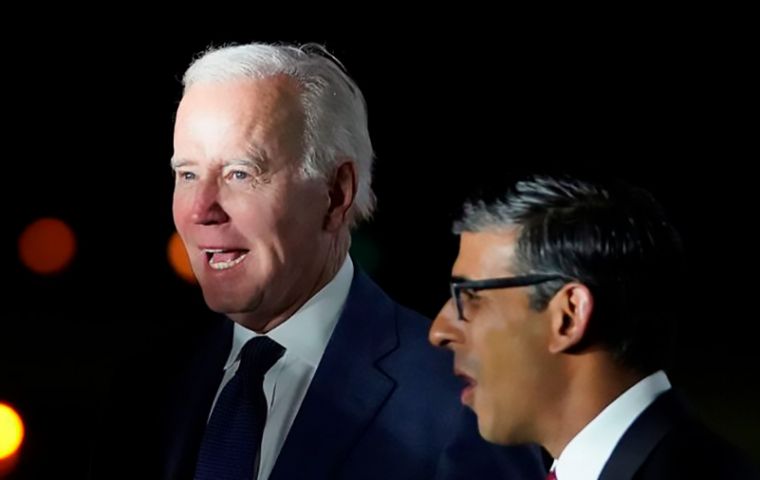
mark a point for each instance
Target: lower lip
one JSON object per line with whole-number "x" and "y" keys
{"x": 225, "y": 270}
{"x": 467, "y": 393}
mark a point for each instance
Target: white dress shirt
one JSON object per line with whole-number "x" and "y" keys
{"x": 584, "y": 457}
{"x": 304, "y": 335}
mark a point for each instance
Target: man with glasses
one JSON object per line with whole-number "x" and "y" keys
{"x": 563, "y": 305}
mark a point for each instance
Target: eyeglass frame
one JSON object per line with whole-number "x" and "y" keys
{"x": 458, "y": 284}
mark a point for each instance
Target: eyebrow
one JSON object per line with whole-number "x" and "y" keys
{"x": 179, "y": 162}
{"x": 254, "y": 161}
{"x": 254, "y": 157}
{"x": 246, "y": 162}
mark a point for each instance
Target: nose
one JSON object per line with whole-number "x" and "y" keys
{"x": 446, "y": 330}
{"x": 206, "y": 208}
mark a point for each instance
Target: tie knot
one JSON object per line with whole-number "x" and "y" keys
{"x": 258, "y": 355}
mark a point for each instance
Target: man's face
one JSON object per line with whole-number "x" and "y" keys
{"x": 500, "y": 345}
{"x": 253, "y": 227}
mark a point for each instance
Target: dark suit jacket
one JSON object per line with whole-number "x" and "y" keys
{"x": 383, "y": 404}
{"x": 667, "y": 442}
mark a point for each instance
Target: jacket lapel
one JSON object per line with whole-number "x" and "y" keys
{"x": 643, "y": 436}
{"x": 348, "y": 388}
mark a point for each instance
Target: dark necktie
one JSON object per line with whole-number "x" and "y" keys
{"x": 551, "y": 476}
{"x": 232, "y": 440}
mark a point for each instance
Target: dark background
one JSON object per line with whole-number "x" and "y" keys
{"x": 88, "y": 140}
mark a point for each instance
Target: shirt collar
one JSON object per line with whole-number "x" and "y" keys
{"x": 586, "y": 454}
{"x": 305, "y": 333}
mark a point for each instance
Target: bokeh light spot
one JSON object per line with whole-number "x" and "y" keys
{"x": 47, "y": 246}
{"x": 11, "y": 431}
{"x": 178, "y": 258}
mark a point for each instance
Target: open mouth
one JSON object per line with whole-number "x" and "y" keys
{"x": 221, "y": 259}
{"x": 468, "y": 390}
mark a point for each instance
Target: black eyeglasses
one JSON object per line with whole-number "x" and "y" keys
{"x": 457, "y": 285}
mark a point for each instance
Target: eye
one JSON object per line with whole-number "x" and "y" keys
{"x": 238, "y": 176}
{"x": 185, "y": 176}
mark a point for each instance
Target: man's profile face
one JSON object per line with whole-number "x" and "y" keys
{"x": 499, "y": 346}
{"x": 252, "y": 225}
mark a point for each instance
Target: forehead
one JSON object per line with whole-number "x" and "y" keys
{"x": 486, "y": 254}
{"x": 241, "y": 106}
{"x": 232, "y": 117}
{"x": 266, "y": 94}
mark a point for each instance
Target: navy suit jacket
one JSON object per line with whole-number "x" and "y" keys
{"x": 668, "y": 442}
{"x": 383, "y": 404}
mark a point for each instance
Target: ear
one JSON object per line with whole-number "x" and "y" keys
{"x": 341, "y": 194}
{"x": 571, "y": 307}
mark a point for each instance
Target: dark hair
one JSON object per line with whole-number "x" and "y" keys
{"x": 612, "y": 237}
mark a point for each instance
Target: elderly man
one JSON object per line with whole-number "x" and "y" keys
{"x": 319, "y": 375}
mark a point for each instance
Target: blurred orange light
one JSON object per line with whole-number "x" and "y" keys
{"x": 47, "y": 246}
{"x": 11, "y": 431}
{"x": 178, "y": 258}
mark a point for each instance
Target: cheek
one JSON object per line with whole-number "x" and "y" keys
{"x": 178, "y": 216}
{"x": 256, "y": 214}
{"x": 504, "y": 348}
{"x": 497, "y": 358}
{"x": 180, "y": 208}
{"x": 299, "y": 221}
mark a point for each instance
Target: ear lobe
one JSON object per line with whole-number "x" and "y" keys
{"x": 341, "y": 194}
{"x": 572, "y": 315}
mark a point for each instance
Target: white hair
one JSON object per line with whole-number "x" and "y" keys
{"x": 334, "y": 107}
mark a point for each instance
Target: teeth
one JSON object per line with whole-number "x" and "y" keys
{"x": 225, "y": 265}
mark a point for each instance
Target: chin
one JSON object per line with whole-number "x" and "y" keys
{"x": 498, "y": 438}
{"x": 219, "y": 306}
{"x": 489, "y": 429}
{"x": 224, "y": 302}
{"x": 486, "y": 431}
